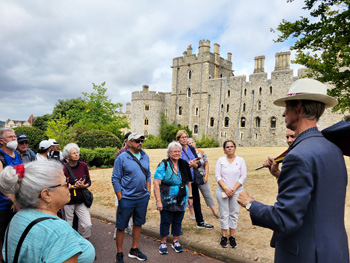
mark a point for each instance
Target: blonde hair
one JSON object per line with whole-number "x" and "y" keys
{"x": 180, "y": 133}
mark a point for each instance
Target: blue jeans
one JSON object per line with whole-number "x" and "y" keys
{"x": 174, "y": 219}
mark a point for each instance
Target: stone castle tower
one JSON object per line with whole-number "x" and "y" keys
{"x": 207, "y": 97}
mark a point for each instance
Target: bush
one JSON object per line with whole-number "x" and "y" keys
{"x": 99, "y": 157}
{"x": 153, "y": 142}
{"x": 98, "y": 139}
{"x": 206, "y": 142}
{"x": 34, "y": 135}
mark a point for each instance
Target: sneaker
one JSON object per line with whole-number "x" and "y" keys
{"x": 163, "y": 249}
{"x": 177, "y": 247}
{"x": 119, "y": 258}
{"x": 128, "y": 230}
{"x": 223, "y": 242}
{"x": 192, "y": 217}
{"x": 136, "y": 253}
{"x": 233, "y": 243}
{"x": 115, "y": 234}
{"x": 205, "y": 225}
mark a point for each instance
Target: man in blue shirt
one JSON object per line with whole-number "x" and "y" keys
{"x": 131, "y": 180}
{"x": 8, "y": 157}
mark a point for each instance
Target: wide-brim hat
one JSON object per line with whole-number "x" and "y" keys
{"x": 307, "y": 89}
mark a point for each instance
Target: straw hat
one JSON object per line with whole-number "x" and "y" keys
{"x": 307, "y": 89}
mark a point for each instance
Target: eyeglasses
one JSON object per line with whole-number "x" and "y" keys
{"x": 183, "y": 137}
{"x": 138, "y": 141}
{"x": 24, "y": 142}
{"x": 62, "y": 184}
{"x": 230, "y": 146}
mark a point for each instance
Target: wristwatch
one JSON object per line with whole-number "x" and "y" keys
{"x": 248, "y": 205}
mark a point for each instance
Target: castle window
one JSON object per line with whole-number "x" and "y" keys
{"x": 245, "y": 92}
{"x": 189, "y": 94}
{"x": 220, "y": 75}
{"x": 270, "y": 89}
{"x": 227, "y": 107}
{"x": 243, "y": 107}
{"x": 257, "y": 122}
{"x": 241, "y": 135}
{"x": 242, "y": 122}
{"x": 146, "y": 121}
{"x": 145, "y": 133}
{"x": 195, "y": 129}
{"x": 190, "y": 74}
{"x": 211, "y": 122}
{"x": 146, "y": 107}
{"x": 197, "y": 111}
{"x": 227, "y": 121}
{"x": 180, "y": 110}
{"x": 256, "y": 136}
{"x": 222, "y": 107}
{"x": 260, "y": 91}
{"x": 273, "y": 123}
{"x": 228, "y": 93}
{"x": 259, "y": 105}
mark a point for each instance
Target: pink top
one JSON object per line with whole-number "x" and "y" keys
{"x": 231, "y": 173}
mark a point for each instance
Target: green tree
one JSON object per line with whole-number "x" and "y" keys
{"x": 40, "y": 122}
{"x": 34, "y": 135}
{"x": 58, "y": 129}
{"x": 168, "y": 131}
{"x": 71, "y": 108}
{"x": 323, "y": 45}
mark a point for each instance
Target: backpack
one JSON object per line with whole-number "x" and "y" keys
{"x": 3, "y": 160}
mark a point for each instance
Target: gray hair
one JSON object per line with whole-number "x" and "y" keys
{"x": 37, "y": 176}
{"x": 68, "y": 148}
{"x": 172, "y": 145}
{"x": 3, "y": 130}
{"x": 191, "y": 140}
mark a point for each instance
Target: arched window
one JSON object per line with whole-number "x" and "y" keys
{"x": 222, "y": 107}
{"x": 197, "y": 111}
{"x": 242, "y": 122}
{"x": 273, "y": 122}
{"x": 227, "y": 121}
{"x": 190, "y": 74}
{"x": 259, "y": 105}
{"x": 180, "y": 110}
{"x": 195, "y": 129}
{"x": 228, "y": 93}
{"x": 189, "y": 94}
{"x": 220, "y": 75}
{"x": 245, "y": 92}
{"x": 257, "y": 122}
{"x": 227, "y": 107}
{"x": 146, "y": 121}
{"x": 270, "y": 89}
{"x": 243, "y": 107}
{"x": 260, "y": 91}
{"x": 211, "y": 122}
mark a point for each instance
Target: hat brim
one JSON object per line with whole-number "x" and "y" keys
{"x": 327, "y": 100}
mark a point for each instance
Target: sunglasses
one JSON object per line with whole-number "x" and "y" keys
{"x": 24, "y": 142}
{"x": 138, "y": 141}
{"x": 230, "y": 146}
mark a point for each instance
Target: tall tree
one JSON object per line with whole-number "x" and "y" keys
{"x": 323, "y": 45}
{"x": 71, "y": 108}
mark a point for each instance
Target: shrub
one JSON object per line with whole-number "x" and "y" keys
{"x": 207, "y": 142}
{"x": 34, "y": 135}
{"x": 153, "y": 142}
{"x": 98, "y": 157}
{"x": 98, "y": 139}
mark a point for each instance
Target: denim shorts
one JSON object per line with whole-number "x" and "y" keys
{"x": 127, "y": 207}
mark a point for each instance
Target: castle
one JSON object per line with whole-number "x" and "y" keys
{"x": 207, "y": 97}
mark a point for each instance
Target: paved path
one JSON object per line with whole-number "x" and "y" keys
{"x": 102, "y": 239}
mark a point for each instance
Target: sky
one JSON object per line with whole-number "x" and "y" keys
{"x": 51, "y": 50}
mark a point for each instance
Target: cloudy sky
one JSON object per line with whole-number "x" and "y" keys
{"x": 52, "y": 50}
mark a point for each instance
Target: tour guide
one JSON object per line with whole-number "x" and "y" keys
{"x": 308, "y": 216}
{"x": 131, "y": 180}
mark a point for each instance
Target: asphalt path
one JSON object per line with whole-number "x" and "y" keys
{"x": 102, "y": 239}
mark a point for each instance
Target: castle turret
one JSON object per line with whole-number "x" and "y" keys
{"x": 145, "y": 88}
{"x": 282, "y": 61}
{"x": 259, "y": 64}
{"x": 128, "y": 106}
{"x": 217, "y": 59}
{"x": 189, "y": 50}
{"x": 229, "y": 56}
{"x": 204, "y": 46}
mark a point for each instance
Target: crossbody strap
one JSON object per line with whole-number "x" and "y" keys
{"x": 138, "y": 162}
{"x": 26, "y": 231}
{"x": 70, "y": 171}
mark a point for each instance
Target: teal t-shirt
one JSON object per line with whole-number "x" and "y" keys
{"x": 49, "y": 241}
{"x": 169, "y": 189}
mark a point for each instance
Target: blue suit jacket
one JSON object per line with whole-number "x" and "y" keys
{"x": 308, "y": 217}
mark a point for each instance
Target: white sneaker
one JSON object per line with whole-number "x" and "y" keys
{"x": 128, "y": 230}
{"x": 192, "y": 217}
{"x": 115, "y": 234}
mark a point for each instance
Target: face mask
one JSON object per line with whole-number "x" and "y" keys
{"x": 12, "y": 145}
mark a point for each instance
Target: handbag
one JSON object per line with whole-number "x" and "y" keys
{"x": 86, "y": 195}
{"x": 198, "y": 177}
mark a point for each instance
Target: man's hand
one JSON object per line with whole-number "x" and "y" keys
{"x": 244, "y": 198}
{"x": 273, "y": 166}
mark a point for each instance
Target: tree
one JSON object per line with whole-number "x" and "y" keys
{"x": 34, "y": 135}
{"x": 71, "y": 108}
{"x": 323, "y": 45}
{"x": 168, "y": 131}
{"x": 41, "y": 122}
{"x": 58, "y": 129}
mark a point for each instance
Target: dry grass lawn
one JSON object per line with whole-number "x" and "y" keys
{"x": 253, "y": 242}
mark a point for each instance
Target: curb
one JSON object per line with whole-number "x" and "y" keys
{"x": 209, "y": 251}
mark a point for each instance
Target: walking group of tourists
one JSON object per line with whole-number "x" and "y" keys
{"x": 307, "y": 218}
